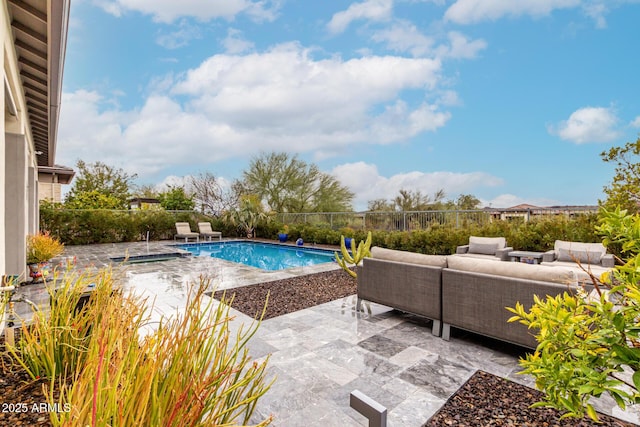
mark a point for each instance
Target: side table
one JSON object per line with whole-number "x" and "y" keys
{"x": 527, "y": 257}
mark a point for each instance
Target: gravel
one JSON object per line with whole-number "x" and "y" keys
{"x": 487, "y": 400}
{"x": 289, "y": 295}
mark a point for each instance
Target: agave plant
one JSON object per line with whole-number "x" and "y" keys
{"x": 247, "y": 215}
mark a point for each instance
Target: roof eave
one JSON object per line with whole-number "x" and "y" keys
{"x": 58, "y": 27}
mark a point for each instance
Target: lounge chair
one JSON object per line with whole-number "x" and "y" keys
{"x": 207, "y": 233}
{"x": 184, "y": 232}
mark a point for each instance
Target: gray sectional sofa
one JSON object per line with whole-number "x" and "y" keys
{"x": 461, "y": 292}
{"x": 406, "y": 281}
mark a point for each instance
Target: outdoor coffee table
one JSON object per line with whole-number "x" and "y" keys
{"x": 527, "y": 257}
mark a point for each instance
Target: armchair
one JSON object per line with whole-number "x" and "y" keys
{"x": 592, "y": 256}
{"x": 494, "y": 248}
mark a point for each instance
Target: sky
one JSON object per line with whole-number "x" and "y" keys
{"x": 510, "y": 101}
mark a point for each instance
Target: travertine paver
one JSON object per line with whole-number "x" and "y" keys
{"x": 321, "y": 354}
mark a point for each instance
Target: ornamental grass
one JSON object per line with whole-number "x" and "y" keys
{"x": 191, "y": 370}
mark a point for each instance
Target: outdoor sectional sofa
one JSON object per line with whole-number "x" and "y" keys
{"x": 406, "y": 281}
{"x": 460, "y": 292}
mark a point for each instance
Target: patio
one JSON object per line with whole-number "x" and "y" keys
{"x": 319, "y": 355}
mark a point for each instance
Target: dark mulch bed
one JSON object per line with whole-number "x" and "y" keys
{"x": 289, "y": 295}
{"x": 488, "y": 400}
{"x": 20, "y": 396}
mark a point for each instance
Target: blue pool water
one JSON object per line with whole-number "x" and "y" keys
{"x": 261, "y": 255}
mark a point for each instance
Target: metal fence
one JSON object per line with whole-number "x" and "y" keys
{"x": 417, "y": 220}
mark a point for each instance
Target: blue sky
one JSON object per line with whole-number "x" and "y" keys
{"x": 511, "y": 101}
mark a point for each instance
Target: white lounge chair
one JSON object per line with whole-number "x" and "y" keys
{"x": 207, "y": 233}
{"x": 184, "y": 232}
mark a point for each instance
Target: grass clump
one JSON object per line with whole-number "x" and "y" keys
{"x": 189, "y": 371}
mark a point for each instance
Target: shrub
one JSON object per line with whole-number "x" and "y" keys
{"x": 588, "y": 344}
{"x": 42, "y": 247}
{"x": 190, "y": 371}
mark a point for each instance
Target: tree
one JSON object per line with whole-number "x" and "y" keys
{"x": 103, "y": 179}
{"x": 589, "y": 344}
{"x": 467, "y": 202}
{"x": 288, "y": 184}
{"x": 409, "y": 200}
{"x": 175, "y": 198}
{"x": 624, "y": 190}
{"x": 209, "y": 196}
{"x": 379, "y": 205}
{"x": 147, "y": 191}
{"x": 93, "y": 200}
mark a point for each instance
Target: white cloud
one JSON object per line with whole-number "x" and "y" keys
{"x": 374, "y": 10}
{"x": 636, "y": 122}
{"x": 235, "y": 43}
{"x": 460, "y": 47}
{"x": 589, "y": 124}
{"x": 403, "y": 36}
{"x": 231, "y": 105}
{"x": 367, "y": 183}
{"x": 471, "y": 11}
{"x": 180, "y": 37}
{"x": 168, "y": 11}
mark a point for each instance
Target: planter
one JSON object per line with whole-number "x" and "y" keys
{"x": 40, "y": 272}
{"x": 283, "y": 237}
{"x": 347, "y": 242}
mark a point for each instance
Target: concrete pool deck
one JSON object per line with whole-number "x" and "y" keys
{"x": 321, "y": 354}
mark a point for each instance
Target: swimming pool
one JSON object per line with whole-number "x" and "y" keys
{"x": 266, "y": 256}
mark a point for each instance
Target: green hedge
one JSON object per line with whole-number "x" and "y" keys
{"x": 83, "y": 227}
{"x": 77, "y": 227}
{"x": 538, "y": 234}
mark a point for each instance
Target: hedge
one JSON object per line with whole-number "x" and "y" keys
{"x": 78, "y": 227}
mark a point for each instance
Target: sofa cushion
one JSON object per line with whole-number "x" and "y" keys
{"x": 513, "y": 269}
{"x": 581, "y": 274}
{"x": 579, "y": 246}
{"x": 408, "y": 257}
{"x": 483, "y": 248}
{"x": 584, "y": 257}
{"x": 486, "y": 245}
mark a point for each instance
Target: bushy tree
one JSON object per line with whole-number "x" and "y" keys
{"x": 93, "y": 199}
{"x": 467, "y": 202}
{"x": 100, "y": 178}
{"x": 288, "y": 184}
{"x": 175, "y": 198}
{"x": 624, "y": 190}
{"x": 589, "y": 344}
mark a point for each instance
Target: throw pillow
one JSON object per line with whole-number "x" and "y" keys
{"x": 585, "y": 257}
{"x": 483, "y": 248}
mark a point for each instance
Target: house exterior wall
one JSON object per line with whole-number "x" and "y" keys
{"x": 49, "y": 188}
{"x": 18, "y": 197}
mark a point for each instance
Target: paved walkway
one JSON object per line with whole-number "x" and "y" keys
{"x": 319, "y": 355}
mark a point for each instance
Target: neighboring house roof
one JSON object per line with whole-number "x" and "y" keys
{"x": 144, "y": 200}
{"x": 65, "y": 174}
{"x": 40, "y": 39}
